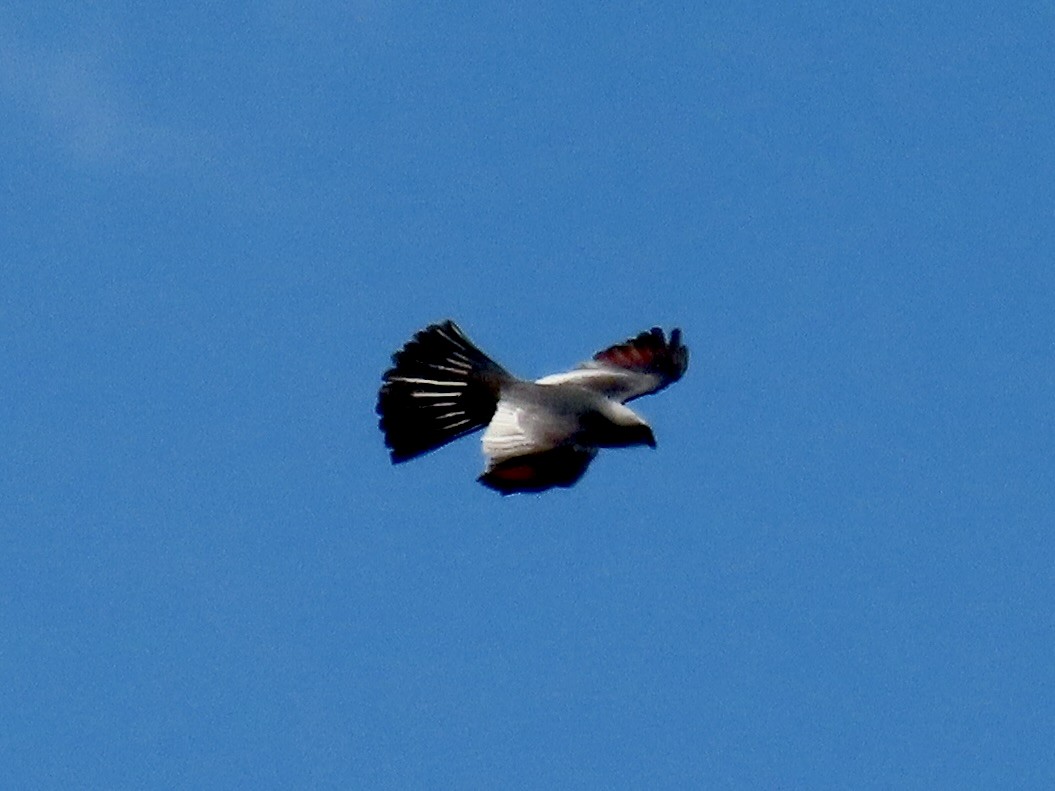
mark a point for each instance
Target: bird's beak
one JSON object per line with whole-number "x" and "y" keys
{"x": 650, "y": 439}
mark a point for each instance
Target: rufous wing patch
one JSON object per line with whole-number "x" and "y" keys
{"x": 649, "y": 352}
{"x": 537, "y": 472}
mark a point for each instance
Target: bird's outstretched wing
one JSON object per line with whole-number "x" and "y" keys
{"x": 536, "y": 472}
{"x": 641, "y": 365}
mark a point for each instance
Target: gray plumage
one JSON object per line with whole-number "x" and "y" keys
{"x": 538, "y": 434}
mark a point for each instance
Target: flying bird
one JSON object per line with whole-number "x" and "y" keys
{"x": 538, "y": 434}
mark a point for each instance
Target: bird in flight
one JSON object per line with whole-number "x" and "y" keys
{"x": 538, "y": 434}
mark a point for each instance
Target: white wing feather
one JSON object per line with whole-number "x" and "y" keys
{"x": 507, "y": 435}
{"x": 620, "y": 384}
{"x": 640, "y": 365}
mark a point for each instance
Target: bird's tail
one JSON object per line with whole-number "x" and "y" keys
{"x": 440, "y": 387}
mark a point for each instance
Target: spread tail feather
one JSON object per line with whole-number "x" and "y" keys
{"x": 440, "y": 387}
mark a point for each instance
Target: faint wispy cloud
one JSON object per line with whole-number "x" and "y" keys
{"x": 76, "y": 104}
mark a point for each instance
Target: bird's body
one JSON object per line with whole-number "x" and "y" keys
{"x": 538, "y": 434}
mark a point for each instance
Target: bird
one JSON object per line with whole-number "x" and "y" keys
{"x": 537, "y": 434}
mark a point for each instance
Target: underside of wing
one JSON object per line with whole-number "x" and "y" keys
{"x": 536, "y": 472}
{"x": 511, "y": 433}
{"x": 641, "y": 365}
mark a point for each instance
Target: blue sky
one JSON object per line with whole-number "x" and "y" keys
{"x": 836, "y": 571}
